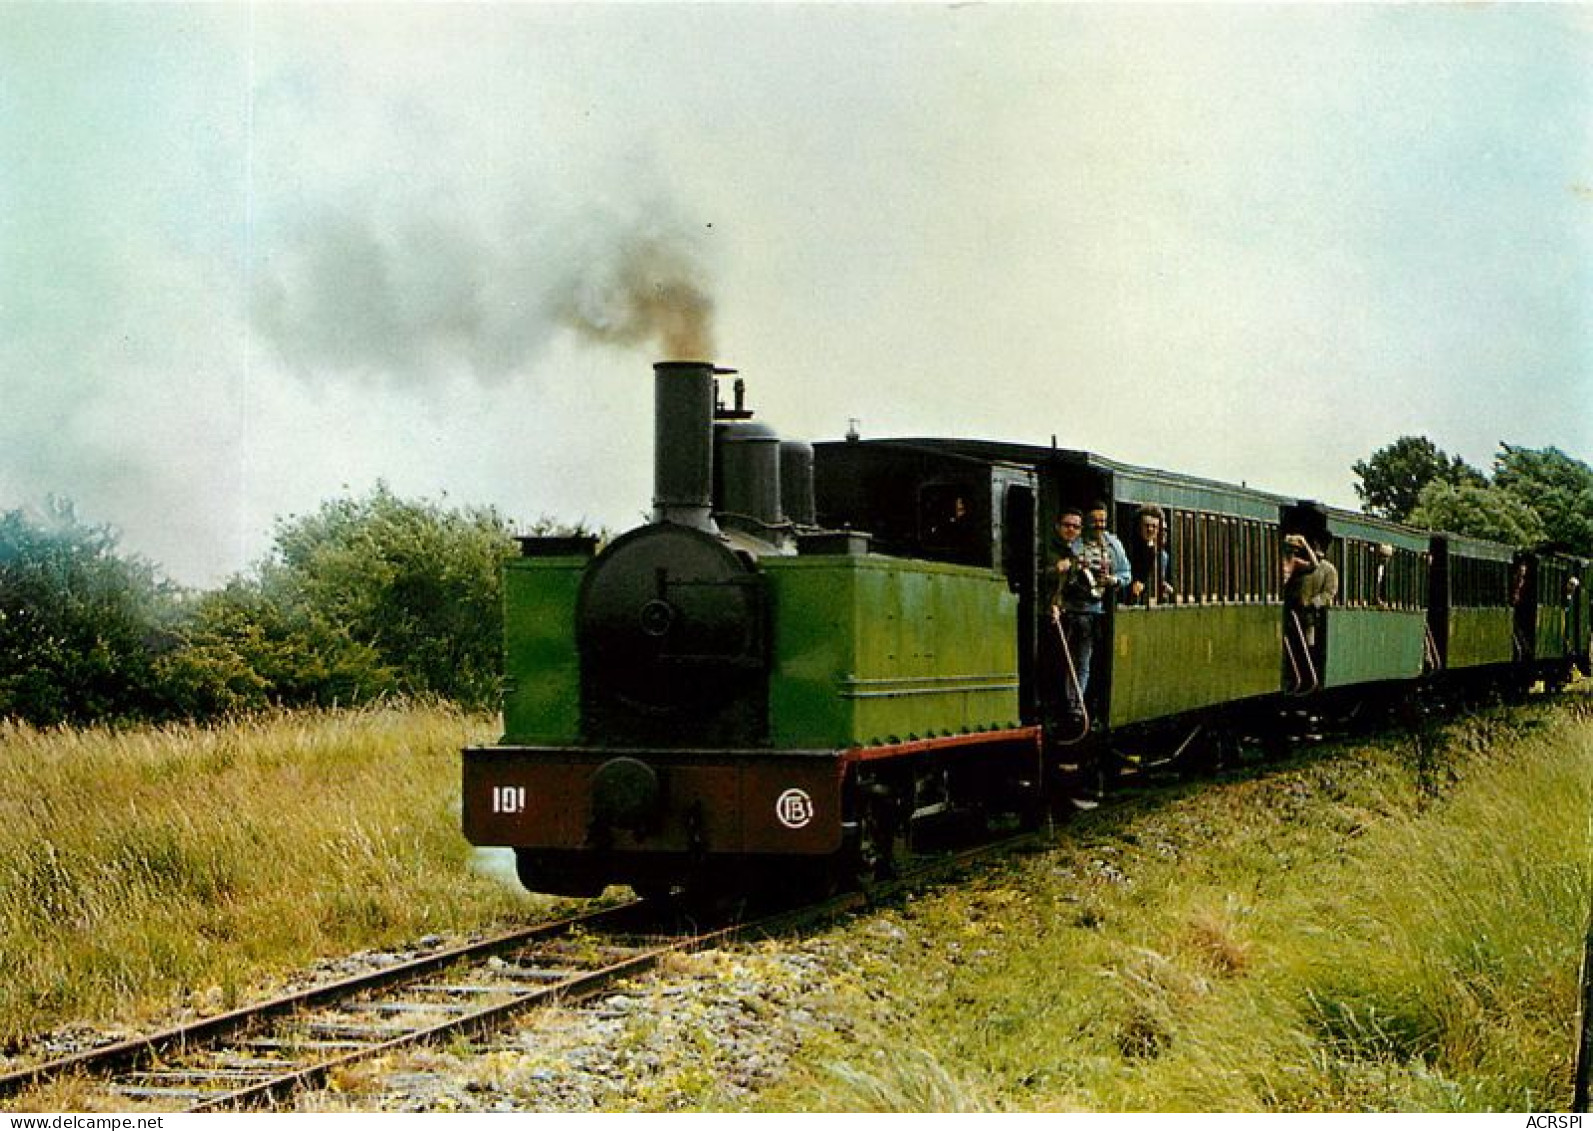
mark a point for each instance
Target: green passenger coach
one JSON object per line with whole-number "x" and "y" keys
{"x": 1215, "y": 641}
{"x": 1377, "y": 623}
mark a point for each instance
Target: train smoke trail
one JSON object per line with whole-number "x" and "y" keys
{"x": 407, "y": 299}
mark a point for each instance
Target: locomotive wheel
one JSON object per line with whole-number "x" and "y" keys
{"x": 559, "y": 873}
{"x": 657, "y": 892}
{"x": 873, "y": 857}
{"x": 1031, "y": 809}
{"x": 803, "y": 879}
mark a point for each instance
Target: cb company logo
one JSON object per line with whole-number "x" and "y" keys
{"x": 794, "y": 809}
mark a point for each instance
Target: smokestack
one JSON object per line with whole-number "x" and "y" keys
{"x": 683, "y": 443}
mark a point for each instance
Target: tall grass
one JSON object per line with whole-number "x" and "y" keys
{"x": 182, "y": 865}
{"x": 1460, "y": 954}
{"x": 1352, "y": 933}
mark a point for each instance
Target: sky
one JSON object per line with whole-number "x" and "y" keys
{"x": 253, "y": 257}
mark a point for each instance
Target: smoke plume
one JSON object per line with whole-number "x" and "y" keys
{"x": 407, "y": 299}
{"x": 646, "y": 289}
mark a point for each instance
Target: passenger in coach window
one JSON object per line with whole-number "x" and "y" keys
{"x": 1385, "y": 555}
{"x": 1149, "y": 560}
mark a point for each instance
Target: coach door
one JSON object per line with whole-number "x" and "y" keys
{"x": 1017, "y": 554}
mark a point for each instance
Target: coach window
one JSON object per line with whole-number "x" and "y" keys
{"x": 1482, "y": 587}
{"x": 1210, "y": 559}
{"x": 1214, "y": 538}
{"x": 1481, "y": 593}
{"x": 1225, "y": 590}
{"x": 1241, "y": 544}
{"x": 1179, "y": 549}
{"x": 1192, "y": 575}
{"x": 1481, "y": 584}
{"x": 1236, "y": 558}
{"x": 1258, "y": 561}
{"x": 1214, "y": 586}
{"x": 947, "y": 522}
{"x": 1272, "y": 562}
{"x": 1222, "y": 527}
{"x": 1219, "y": 556}
{"x": 1499, "y": 587}
{"x": 1211, "y": 552}
{"x": 1190, "y": 540}
{"x": 1352, "y": 573}
{"x": 1259, "y": 580}
{"x": 1263, "y": 572}
{"x": 1180, "y": 552}
{"x": 1212, "y": 532}
{"x": 1196, "y": 584}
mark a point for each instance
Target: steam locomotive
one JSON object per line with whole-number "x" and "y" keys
{"x": 814, "y": 655}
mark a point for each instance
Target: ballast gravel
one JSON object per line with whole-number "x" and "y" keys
{"x": 709, "y": 1029}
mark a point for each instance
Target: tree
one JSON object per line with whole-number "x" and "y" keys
{"x": 414, "y": 583}
{"x": 1392, "y": 480}
{"x": 360, "y": 599}
{"x": 79, "y": 623}
{"x": 1560, "y": 489}
{"x": 1487, "y": 511}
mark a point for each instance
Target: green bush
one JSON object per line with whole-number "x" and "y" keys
{"x": 363, "y": 599}
{"x": 414, "y": 584}
{"x": 79, "y": 624}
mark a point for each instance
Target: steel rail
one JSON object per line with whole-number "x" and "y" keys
{"x": 137, "y": 1054}
{"x": 578, "y": 986}
{"x": 585, "y": 984}
{"x": 134, "y": 1051}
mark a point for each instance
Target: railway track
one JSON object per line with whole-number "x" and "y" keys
{"x": 259, "y": 1056}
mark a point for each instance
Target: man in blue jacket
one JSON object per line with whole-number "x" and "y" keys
{"x": 1092, "y": 561}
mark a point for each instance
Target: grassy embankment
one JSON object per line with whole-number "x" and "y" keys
{"x": 187, "y": 866}
{"x": 1378, "y": 931}
{"x": 1366, "y": 931}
